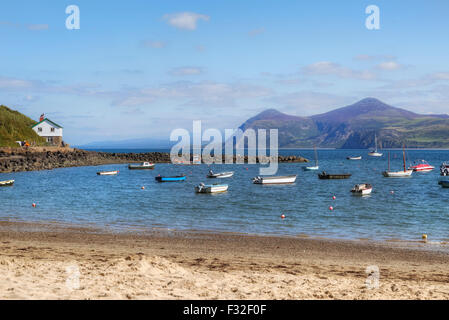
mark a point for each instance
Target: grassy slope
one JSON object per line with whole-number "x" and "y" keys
{"x": 15, "y": 126}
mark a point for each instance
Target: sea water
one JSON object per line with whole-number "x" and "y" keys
{"x": 398, "y": 208}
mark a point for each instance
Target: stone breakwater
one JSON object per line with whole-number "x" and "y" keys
{"x": 31, "y": 160}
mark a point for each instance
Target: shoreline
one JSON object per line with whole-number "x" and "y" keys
{"x": 195, "y": 265}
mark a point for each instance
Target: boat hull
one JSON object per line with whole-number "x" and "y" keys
{"x": 275, "y": 180}
{"x": 138, "y": 167}
{"x": 375, "y": 154}
{"x": 7, "y": 183}
{"x": 362, "y": 189}
{"x": 397, "y": 174}
{"x": 221, "y": 175}
{"x": 354, "y": 158}
{"x": 170, "y": 179}
{"x": 107, "y": 173}
{"x": 334, "y": 176}
{"x": 310, "y": 168}
{"x": 211, "y": 188}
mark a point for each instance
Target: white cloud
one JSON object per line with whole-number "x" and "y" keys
{"x": 334, "y": 69}
{"x": 367, "y": 57}
{"x": 186, "y": 71}
{"x": 185, "y": 20}
{"x": 389, "y": 66}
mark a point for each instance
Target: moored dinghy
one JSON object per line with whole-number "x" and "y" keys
{"x": 6, "y": 183}
{"x": 211, "y": 188}
{"x": 362, "y": 189}
{"x": 354, "y": 158}
{"x": 275, "y": 180}
{"x": 141, "y": 166}
{"x": 328, "y": 176}
{"x": 107, "y": 173}
{"x": 170, "y": 179}
{"x": 220, "y": 175}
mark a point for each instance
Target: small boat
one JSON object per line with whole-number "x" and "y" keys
{"x": 421, "y": 166}
{"x": 354, "y": 158}
{"x": 362, "y": 189}
{"x": 220, "y": 175}
{"x": 375, "y": 153}
{"x": 325, "y": 175}
{"x": 315, "y": 167}
{"x": 444, "y": 169}
{"x": 170, "y": 179}
{"x": 107, "y": 173}
{"x": 211, "y": 188}
{"x": 6, "y": 183}
{"x": 142, "y": 166}
{"x": 397, "y": 174}
{"x": 444, "y": 183}
{"x": 275, "y": 180}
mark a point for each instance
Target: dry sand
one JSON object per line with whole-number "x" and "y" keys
{"x": 55, "y": 262}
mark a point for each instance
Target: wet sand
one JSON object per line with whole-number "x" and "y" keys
{"x": 40, "y": 261}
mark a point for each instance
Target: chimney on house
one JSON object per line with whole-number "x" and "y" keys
{"x": 42, "y": 117}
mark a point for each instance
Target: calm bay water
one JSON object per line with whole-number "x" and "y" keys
{"x": 77, "y": 195}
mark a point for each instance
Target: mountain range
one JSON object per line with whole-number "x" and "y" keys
{"x": 355, "y": 127}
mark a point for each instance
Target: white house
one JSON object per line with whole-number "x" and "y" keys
{"x": 49, "y": 130}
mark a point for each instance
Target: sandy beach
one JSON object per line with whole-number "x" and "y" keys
{"x": 60, "y": 262}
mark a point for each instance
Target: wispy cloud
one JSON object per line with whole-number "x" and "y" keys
{"x": 378, "y": 57}
{"x": 31, "y": 27}
{"x": 185, "y": 20}
{"x": 389, "y": 66}
{"x": 334, "y": 69}
{"x": 186, "y": 71}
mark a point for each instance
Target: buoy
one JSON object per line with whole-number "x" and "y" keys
{"x": 331, "y": 208}
{"x": 424, "y": 236}
{"x": 246, "y": 168}
{"x": 143, "y": 188}
{"x": 34, "y": 205}
{"x": 334, "y": 197}
{"x": 392, "y": 192}
{"x": 282, "y": 216}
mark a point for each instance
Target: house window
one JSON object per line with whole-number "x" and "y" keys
{"x": 52, "y": 129}
{"x": 39, "y": 129}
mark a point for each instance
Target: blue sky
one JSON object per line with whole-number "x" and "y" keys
{"x": 139, "y": 69}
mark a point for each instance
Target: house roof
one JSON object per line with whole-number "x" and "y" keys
{"x": 53, "y": 123}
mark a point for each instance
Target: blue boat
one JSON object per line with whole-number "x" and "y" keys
{"x": 444, "y": 183}
{"x": 170, "y": 179}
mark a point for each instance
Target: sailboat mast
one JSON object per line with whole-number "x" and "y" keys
{"x": 375, "y": 142}
{"x": 388, "y": 161}
{"x": 403, "y": 155}
{"x": 316, "y": 158}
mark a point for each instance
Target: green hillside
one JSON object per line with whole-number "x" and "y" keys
{"x": 15, "y": 126}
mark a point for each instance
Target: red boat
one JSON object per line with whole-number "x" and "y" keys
{"x": 421, "y": 166}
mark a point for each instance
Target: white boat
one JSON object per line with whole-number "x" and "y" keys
{"x": 108, "y": 173}
{"x": 354, "y": 158}
{"x": 397, "y": 174}
{"x": 362, "y": 189}
{"x": 142, "y": 166}
{"x": 375, "y": 153}
{"x": 211, "y": 188}
{"x": 315, "y": 167}
{"x": 220, "y": 175}
{"x": 6, "y": 183}
{"x": 275, "y": 180}
{"x": 444, "y": 169}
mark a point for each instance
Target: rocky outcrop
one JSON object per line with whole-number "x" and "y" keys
{"x": 30, "y": 160}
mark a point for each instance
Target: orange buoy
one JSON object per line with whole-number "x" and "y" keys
{"x": 282, "y": 216}
{"x": 34, "y": 205}
{"x": 143, "y": 188}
